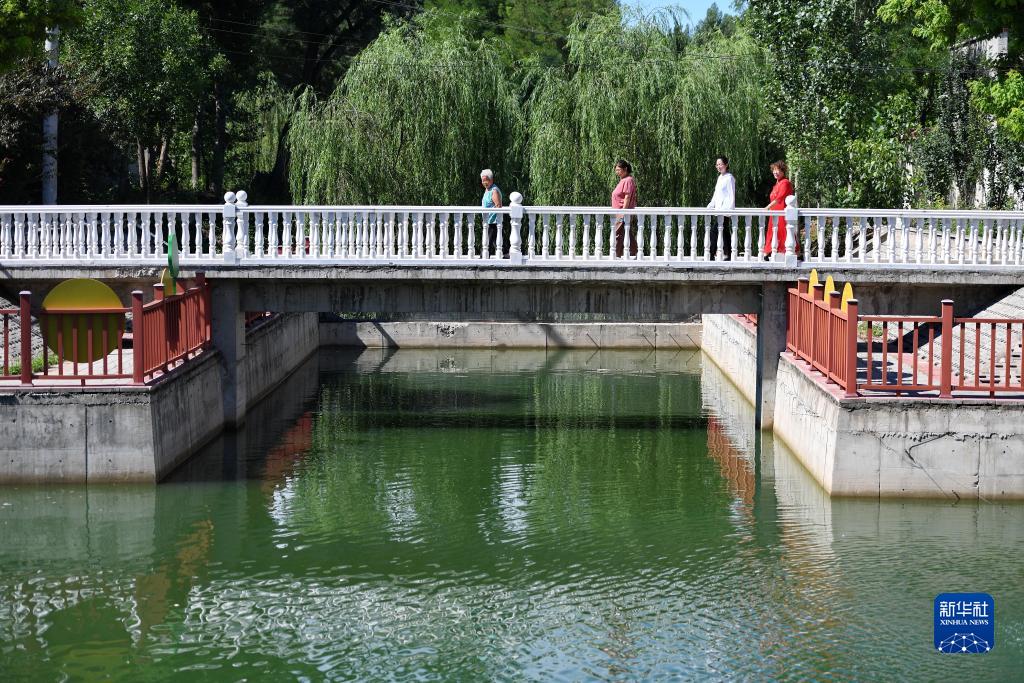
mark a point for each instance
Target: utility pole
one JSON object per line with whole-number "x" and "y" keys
{"x": 50, "y": 126}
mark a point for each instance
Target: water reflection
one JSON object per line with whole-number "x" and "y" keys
{"x": 499, "y": 516}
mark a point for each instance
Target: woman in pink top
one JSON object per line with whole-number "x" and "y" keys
{"x": 624, "y": 197}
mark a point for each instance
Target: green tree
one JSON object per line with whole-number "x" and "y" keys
{"x": 629, "y": 91}
{"x": 946, "y": 24}
{"x": 418, "y": 114}
{"x": 833, "y": 66}
{"x": 146, "y": 65}
{"x": 23, "y": 25}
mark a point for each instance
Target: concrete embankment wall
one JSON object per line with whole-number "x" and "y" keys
{"x": 276, "y": 348}
{"x": 878, "y": 446}
{"x": 731, "y": 344}
{"x": 901, "y": 447}
{"x": 122, "y": 434}
{"x": 498, "y": 335}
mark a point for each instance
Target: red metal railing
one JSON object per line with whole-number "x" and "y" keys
{"x": 24, "y": 315}
{"x": 823, "y": 335}
{"x": 164, "y": 332}
{"x": 902, "y": 354}
{"x": 169, "y": 328}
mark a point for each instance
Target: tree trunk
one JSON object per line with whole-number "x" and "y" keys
{"x": 219, "y": 136}
{"x": 196, "y": 149}
{"x": 147, "y": 166}
{"x": 161, "y": 160}
{"x": 143, "y": 160}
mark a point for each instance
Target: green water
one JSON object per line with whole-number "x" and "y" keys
{"x": 482, "y": 516}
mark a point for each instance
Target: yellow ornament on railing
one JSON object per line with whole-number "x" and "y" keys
{"x": 847, "y": 296}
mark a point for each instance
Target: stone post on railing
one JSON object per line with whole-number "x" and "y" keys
{"x": 946, "y": 364}
{"x": 515, "y": 251}
{"x": 242, "y": 221}
{"x": 228, "y": 229}
{"x": 851, "y": 348}
{"x": 792, "y": 229}
{"x": 138, "y": 339}
{"x": 25, "y": 320}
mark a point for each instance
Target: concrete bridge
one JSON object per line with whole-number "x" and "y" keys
{"x": 661, "y": 264}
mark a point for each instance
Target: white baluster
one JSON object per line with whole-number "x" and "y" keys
{"x": 45, "y": 234}
{"x": 257, "y": 248}
{"x": 117, "y": 247}
{"x": 986, "y": 241}
{"x": 301, "y": 235}
{"x": 343, "y": 229}
{"x": 7, "y": 235}
{"x": 558, "y": 236}
{"x": 32, "y": 221}
{"x": 546, "y": 236}
{"x": 532, "y": 237}
{"x": 313, "y": 219}
{"x": 160, "y": 243}
{"x": 680, "y": 237}
{"x": 572, "y": 236}
{"x": 666, "y": 251}
{"x": 92, "y": 234}
{"x": 848, "y": 242}
{"x": 834, "y": 246}
{"x": 708, "y": 247}
{"x": 466, "y": 225}
{"x": 273, "y": 239}
{"x": 586, "y": 253}
{"x": 770, "y": 225}
{"x": 748, "y": 223}
{"x": 935, "y": 239}
{"x": 920, "y": 227}
{"x": 598, "y": 236}
{"x": 286, "y": 234}
{"x": 734, "y": 236}
{"x": 457, "y": 223}
{"x": 380, "y": 226}
{"x": 188, "y": 238}
{"x": 693, "y": 237}
{"x": 431, "y": 243}
{"x": 19, "y": 235}
{"x": 960, "y": 252}
{"x": 640, "y": 227}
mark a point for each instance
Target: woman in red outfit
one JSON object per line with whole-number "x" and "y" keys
{"x": 783, "y": 188}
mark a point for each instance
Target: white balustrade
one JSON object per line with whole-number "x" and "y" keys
{"x": 236, "y": 232}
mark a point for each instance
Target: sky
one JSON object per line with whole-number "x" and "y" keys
{"x": 696, "y": 8}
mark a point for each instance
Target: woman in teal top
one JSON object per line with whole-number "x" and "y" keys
{"x": 492, "y": 200}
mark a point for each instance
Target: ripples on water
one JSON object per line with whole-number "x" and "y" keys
{"x": 496, "y": 516}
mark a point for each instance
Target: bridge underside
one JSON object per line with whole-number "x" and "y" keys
{"x": 648, "y": 292}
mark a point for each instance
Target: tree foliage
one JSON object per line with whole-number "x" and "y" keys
{"x": 630, "y": 92}
{"x": 146, "y": 65}
{"x": 946, "y": 24}
{"x": 23, "y": 25}
{"x": 420, "y": 112}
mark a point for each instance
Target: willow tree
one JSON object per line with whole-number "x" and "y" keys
{"x": 633, "y": 90}
{"x": 419, "y": 113}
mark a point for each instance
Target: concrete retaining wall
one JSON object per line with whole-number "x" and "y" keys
{"x": 901, "y": 447}
{"x": 731, "y": 344}
{"x": 123, "y": 434}
{"x": 498, "y": 335}
{"x": 274, "y": 349}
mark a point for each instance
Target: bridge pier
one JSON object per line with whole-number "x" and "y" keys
{"x": 771, "y": 341}
{"x": 228, "y": 336}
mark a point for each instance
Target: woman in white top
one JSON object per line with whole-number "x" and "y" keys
{"x": 725, "y": 198}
